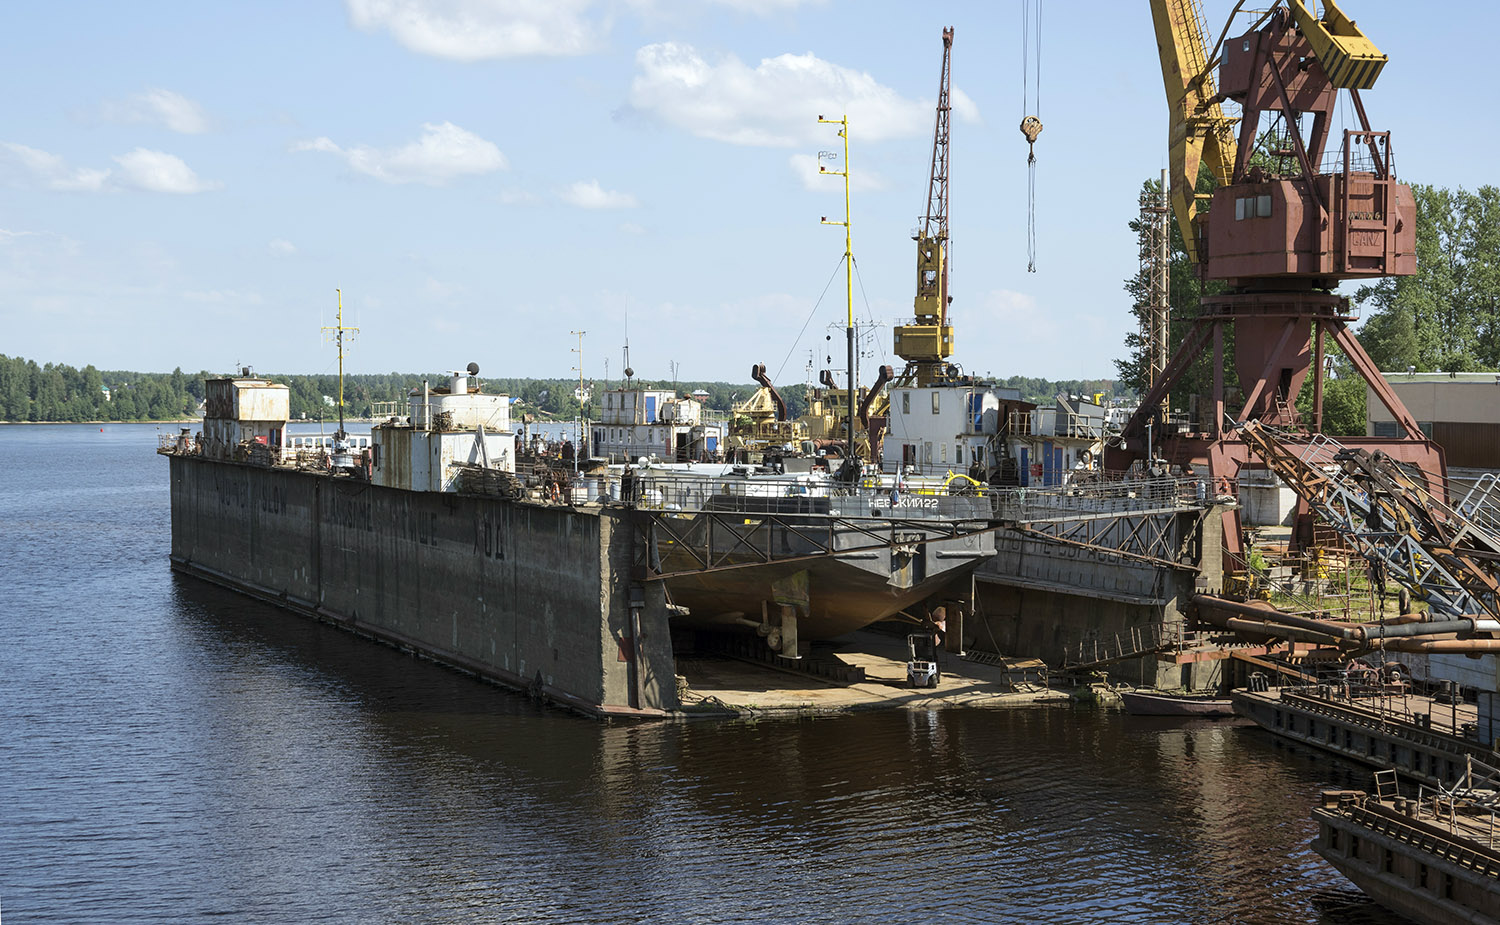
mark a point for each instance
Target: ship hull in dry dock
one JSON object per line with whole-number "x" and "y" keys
{"x": 840, "y": 563}
{"x": 841, "y": 596}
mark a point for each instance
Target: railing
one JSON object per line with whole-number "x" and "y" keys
{"x": 1102, "y": 498}
{"x": 1134, "y": 642}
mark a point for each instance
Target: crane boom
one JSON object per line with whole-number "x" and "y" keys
{"x": 927, "y": 343}
{"x": 1199, "y": 132}
{"x": 935, "y": 223}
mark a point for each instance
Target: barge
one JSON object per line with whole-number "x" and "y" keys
{"x": 1431, "y": 858}
{"x": 1428, "y": 741}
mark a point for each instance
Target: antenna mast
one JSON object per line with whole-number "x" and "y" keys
{"x": 338, "y": 330}
{"x": 848, "y": 262}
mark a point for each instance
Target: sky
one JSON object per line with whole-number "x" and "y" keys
{"x": 187, "y": 184}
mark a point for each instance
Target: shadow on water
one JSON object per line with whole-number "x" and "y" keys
{"x": 1034, "y": 814}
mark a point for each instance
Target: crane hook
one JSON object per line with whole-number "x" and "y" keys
{"x": 1031, "y": 127}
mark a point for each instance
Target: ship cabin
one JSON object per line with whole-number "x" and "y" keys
{"x": 638, "y": 423}
{"x": 944, "y": 428}
{"x": 1052, "y": 445}
{"x": 245, "y": 418}
{"x": 448, "y": 428}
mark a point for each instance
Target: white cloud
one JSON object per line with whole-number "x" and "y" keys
{"x": 777, "y": 102}
{"x": 53, "y": 172}
{"x": 966, "y": 109}
{"x": 281, "y": 247}
{"x": 141, "y": 169}
{"x": 805, "y": 166}
{"x": 587, "y": 194}
{"x": 159, "y": 107}
{"x": 443, "y": 153}
{"x": 472, "y": 30}
{"x": 159, "y": 172}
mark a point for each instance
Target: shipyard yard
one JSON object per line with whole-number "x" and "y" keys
{"x": 1216, "y": 639}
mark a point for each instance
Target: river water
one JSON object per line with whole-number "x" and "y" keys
{"x": 173, "y": 752}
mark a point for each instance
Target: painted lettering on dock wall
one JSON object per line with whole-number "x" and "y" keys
{"x": 489, "y": 537}
{"x": 230, "y": 492}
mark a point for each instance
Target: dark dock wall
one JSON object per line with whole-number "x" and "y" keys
{"x": 1068, "y": 605}
{"x": 532, "y": 597}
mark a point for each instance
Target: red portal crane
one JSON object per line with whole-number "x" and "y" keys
{"x": 1289, "y": 220}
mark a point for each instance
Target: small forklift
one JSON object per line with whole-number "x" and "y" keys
{"x": 921, "y": 662}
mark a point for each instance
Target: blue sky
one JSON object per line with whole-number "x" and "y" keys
{"x": 185, "y": 184}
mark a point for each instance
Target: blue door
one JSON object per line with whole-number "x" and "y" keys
{"x": 650, "y": 409}
{"x": 1025, "y": 467}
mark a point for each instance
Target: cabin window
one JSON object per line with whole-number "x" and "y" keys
{"x": 1240, "y": 212}
{"x": 1353, "y": 846}
{"x": 1389, "y": 861}
{"x": 937, "y": 401}
{"x": 978, "y": 454}
{"x": 945, "y": 454}
{"x": 1422, "y": 876}
{"x": 906, "y": 403}
{"x": 958, "y": 453}
{"x": 1263, "y": 205}
{"x": 1333, "y": 839}
{"x": 1447, "y": 886}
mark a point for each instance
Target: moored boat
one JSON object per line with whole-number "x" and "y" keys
{"x": 1156, "y": 703}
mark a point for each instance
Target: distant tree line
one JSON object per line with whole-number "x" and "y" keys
{"x": 56, "y": 392}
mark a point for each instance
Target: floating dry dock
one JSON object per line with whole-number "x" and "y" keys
{"x": 437, "y": 538}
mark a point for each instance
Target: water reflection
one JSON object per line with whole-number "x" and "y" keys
{"x": 170, "y": 751}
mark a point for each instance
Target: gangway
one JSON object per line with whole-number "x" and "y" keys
{"x": 1446, "y": 556}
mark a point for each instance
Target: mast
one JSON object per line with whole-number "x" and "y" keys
{"x": 848, "y": 264}
{"x": 338, "y": 330}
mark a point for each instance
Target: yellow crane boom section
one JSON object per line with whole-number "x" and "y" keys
{"x": 1199, "y": 133}
{"x": 1351, "y": 61}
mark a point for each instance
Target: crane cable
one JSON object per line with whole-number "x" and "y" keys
{"x": 1031, "y": 123}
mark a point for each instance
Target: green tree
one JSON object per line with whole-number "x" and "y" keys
{"x": 1447, "y": 315}
{"x": 1184, "y": 292}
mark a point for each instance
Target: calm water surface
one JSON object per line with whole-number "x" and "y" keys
{"x": 172, "y": 752}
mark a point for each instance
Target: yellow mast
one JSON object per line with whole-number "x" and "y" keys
{"x": 848, "y": 261}
{"x": 338, "y": 330}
